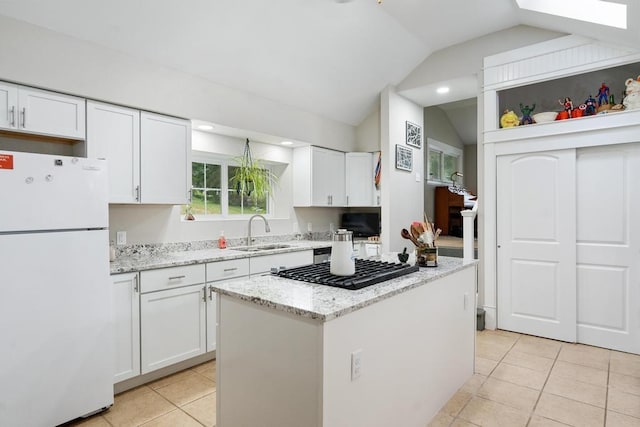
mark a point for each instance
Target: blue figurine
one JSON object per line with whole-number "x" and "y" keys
{"x": 526, "y": 114}
{"x": 591, "y": 106}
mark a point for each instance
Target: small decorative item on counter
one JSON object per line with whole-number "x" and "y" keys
{"x": 603, "y": 95}
{"x": 404, "y": 256}
{"x": 509, "y": 119}
{"x": 563, "y": 115}
{"x": 188, "y": 216}
{"x": 222, "y": 241}
{"x": 424, "y": 235}
{"x": 342, "y": 261}
{"x": 632, "y": 98}
{"x": 590, "y": 106}
{"x": 526, "y": 114}
{"x": 427, "y": 257}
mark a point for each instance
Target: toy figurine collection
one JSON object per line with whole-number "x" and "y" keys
{"x": 591, "y": 106}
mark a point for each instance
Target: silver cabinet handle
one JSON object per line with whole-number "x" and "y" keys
{"x": 347, "y": 200}
{"x": 135, "y": 284}
{"x": 204, "y": 293}
{"x": 177, "y": 277}
{"x": 13, "y": 115}
{"x": 24, "y": 117}
{"x": 137, "y": 193}
{"x": 210, "y": 293}
{"x": 230, "y": 269}
{"x": 189, "y": 195}
{"x": 378, "y": 200}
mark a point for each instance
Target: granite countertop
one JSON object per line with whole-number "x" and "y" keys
{"x": 149, "y": 261}
{"x": 326, "y": 302}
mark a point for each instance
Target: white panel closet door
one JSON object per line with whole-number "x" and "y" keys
{"x": 608, "y": 245}
{"x": 536, "y": 237}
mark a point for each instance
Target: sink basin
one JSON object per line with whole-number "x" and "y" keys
{"x": 259, "y": 248}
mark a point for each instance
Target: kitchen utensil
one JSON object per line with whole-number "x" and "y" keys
{"x": 416, "y": 229}
{"x": 404, "y": 256}
{"x": 342, "y": 257}
{"x": 406, "y": 235}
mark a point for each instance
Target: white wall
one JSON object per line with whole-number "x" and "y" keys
{"x": 402, "y": 191}
{"x": 368, "y": 132}
{"x": 43, "y": 58}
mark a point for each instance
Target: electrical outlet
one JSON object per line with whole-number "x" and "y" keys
{"x": 121, "y": 238}
{"x": 309, "y": 227}
{"x": 417, "y": 176}
{"x": 356, "y": 365}
{"x": 332, "y": 227}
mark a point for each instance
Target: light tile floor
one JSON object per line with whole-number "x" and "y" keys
{"x": 520, "y": 380}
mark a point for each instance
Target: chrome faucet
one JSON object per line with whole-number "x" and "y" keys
{"x": 266, "y": 227}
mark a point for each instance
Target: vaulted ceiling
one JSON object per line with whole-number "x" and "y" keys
{"x": 329, "y": 57}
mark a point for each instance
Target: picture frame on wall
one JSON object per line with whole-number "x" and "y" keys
{"x": 404, "y": 158}
{"x": 414, "y": 135}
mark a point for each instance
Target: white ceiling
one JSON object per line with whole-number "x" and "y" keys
{"x": 329, "y": 57}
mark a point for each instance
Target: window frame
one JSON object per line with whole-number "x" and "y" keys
{"x": 224, "y": 162}
{"x": 443, "y": 149}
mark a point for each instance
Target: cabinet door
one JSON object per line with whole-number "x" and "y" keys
{"x": 359, "y": 179}
{"x": 50, "y": 113}
{"x": 113, "y": 133}
{"x": 165, "y": 159}
{"x": 172, "y": 324}
{"x": 126, "y": 318}
{"x": 212, "y": 319}
{"x": 328, "y": 178}
{"x": 8, "y": 106}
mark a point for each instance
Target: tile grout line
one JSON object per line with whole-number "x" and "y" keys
{"x": 533, "y": 410}
{"x": 474, "y": 371}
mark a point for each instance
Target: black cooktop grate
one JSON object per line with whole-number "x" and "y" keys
{"x": 368, "y": 272}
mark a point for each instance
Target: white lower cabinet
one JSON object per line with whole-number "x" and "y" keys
{"x": 218, "y": 272}
{"x": 173, "y": 326}
{"x": 126, "y": 320}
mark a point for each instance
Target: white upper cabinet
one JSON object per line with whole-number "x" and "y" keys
{"x": 113, "y": 133}
{"x": 165, "y": 153}
{"x": 319, "y": 177}
{"x": 359, "y": 179}
{"x": 29, "y": 110}
{"x": 8, "y": 106}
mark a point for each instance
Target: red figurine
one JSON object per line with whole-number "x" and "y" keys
{"x": 603, "y": 94}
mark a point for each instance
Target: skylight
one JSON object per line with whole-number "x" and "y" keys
{"x": 595, "y": 11}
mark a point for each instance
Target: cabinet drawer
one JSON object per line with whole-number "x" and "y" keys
{"x": 168, "y": 278}
{"x": 227, "y": 269}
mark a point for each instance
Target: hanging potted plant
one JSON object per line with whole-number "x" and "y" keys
{"x": 252, "y": 179}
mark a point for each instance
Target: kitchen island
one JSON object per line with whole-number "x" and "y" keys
{"x": 292, "y": 353}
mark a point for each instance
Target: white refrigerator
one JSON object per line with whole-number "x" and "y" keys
{"x": 56, "y": 341}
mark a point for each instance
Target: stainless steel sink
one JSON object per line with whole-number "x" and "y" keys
{"x": 259, "y": 248}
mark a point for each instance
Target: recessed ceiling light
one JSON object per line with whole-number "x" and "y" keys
{"x": 443, "y": 89}
{"x": 205, "y": 127}
{"x": 594, "y": 11}
{"x": 286, "y": 143}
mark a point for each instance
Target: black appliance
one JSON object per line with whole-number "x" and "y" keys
{"x": 361, "y": 224}
{"x": 368, "y": 272}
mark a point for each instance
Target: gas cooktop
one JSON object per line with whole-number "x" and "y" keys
{"x": 368, "y": 272}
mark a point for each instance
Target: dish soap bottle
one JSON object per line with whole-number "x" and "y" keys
{"x": 222, "y": 242}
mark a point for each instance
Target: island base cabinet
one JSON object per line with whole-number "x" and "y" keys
{"x": 172, "y": 324}
{"x": 416, "y": 349}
